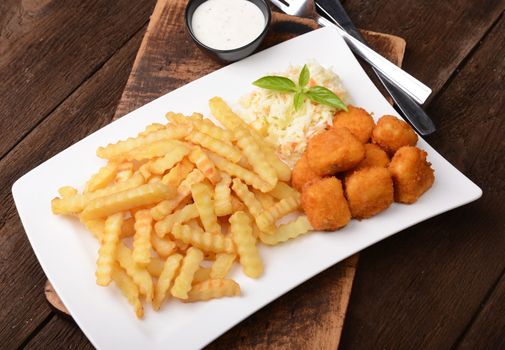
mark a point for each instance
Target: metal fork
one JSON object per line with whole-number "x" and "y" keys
{"x": 398, "y": 83}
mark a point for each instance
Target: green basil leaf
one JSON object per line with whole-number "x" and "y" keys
{"x": 304, "y": 77}
{"x": 277, "y": 83}
{"x": 298, "y": 100}
{"x": 326, "y": 97}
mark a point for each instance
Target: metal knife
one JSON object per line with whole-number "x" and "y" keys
{"x": 334, "y": 11}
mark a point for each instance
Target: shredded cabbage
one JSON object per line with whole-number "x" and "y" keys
{"x": 272, "y": 113}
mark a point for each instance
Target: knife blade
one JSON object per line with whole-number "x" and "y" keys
{"x": 334, "y": 11}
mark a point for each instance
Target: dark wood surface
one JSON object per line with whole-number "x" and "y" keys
{"x": 440, "y": 284}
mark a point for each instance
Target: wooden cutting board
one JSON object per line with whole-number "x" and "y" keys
{"x": 312, "y": 315}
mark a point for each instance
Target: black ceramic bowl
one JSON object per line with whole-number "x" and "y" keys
{"x": 233, "y": 54}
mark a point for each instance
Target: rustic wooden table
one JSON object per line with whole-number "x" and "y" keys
{"x": 440, "y": 284}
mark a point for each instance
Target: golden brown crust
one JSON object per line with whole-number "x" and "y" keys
{"x": 369, "y": 191}
{"x": 374, "y": 156}
{"x": 325, "y": 205}
{"x": 412, "y": 174}
{"x": 357, "y": 120}
{"x": 302, "y": 173}
{"x": 391, "y": 134}
{"x": 333, "y": 151}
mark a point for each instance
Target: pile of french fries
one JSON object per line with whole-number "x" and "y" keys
{"x": 181, "y": 193}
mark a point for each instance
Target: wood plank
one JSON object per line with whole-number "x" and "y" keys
{"x": 91, "y": 106}
{"x": 308, "y": 317}
{"x": 60, "y": 333}
{"x": 48, "y": 48}
{"x": 487, "y": 331}
{"x": 440, "y": 34}
{"x": 421, "y": 288}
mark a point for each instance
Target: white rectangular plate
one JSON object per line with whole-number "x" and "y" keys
{"x": 67, "y": 252}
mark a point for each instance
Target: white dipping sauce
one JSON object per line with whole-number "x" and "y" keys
{"x": 227, "y": 24}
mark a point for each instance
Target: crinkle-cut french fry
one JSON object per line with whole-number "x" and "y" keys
{"x": 177, "y": 118}
{"x": 269, "y": 216}
{"x": 178, "y": 173}
{"x": 155, "y": 266}
{"x": 253, "y": 205}
{"x": 282, "y": 191}
{"x": 174, "y": 155}
{"x": 152, "y": 150}
{"x": 67, "y": 191}
{"x": 154, "y": 179}
{"x": 102, "y": 178}
{"x": 145, "y": 170}
{"x": 247, "y": 197}
{"x": 237, "y": 204}
{"x": 166, "y": 207}
{"x": 244, "y": 163}
{"x": 139, "y": 274}
{"x": 245, "y": 175}
{"x": 222, "y": 196}
{"x": 255, "y": 156}
{"x": 124, "y": 171}
{"x": 212, "y": 289}
{"x": 201, "y": 275}
{"x": 136, "y": 197}
{"x": 206, "y": 241}
{"x": 265, "y": 199}
{"x": 287, "y": 231}
{"x": 181, "y": 246}
{"x": 223, "y": 113}
{"x": 224, "y": 149}
{"x": 152, "y": 128}
{"x": 128, "y": 228}
{"x": 222, "y": 265}
{"x": 202, "y": 195}
{"x": 117, "y": 150}
{"x": 76, "y": 203}
{"x": 95, "y": 226}
{"x": 208, "y": 127}
{"x": 128, "y": 288}
{"x": 190, "y": 264}
{"x": 282, "y": 169}
{"x": 167, "y": 275}
{"x": 163, "y": 246}
{"x": 241, "y": 232}
{"x": 142, "y": 237}
{"x": 106, "y": 253}
{"x": 202, "y": 162}
{"x": 165, "y": 225}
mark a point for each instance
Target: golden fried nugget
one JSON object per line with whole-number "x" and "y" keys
{"x": 412, "y": 174}
{"x": 369, "y": 191}
{"x": 302, "y": 173}
{"x": 333, "y": 151}
{"x": 374, "y": 156}
{"x": 324, "y": 204}
{"x": 357, "y": 120}
{"x": 391, "y": 133}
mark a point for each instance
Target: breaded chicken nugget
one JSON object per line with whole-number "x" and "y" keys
{"x": 302, "y": 173}
{"x": 325, "y": 205}
{"x": 369, "y": 191}
{"x": 391, "y": 133}
{"x": 334, "y": 150}
{"x": 412, "y": 174}
{"x": 374, "y": 156}
{"x": 357, "y": 120}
